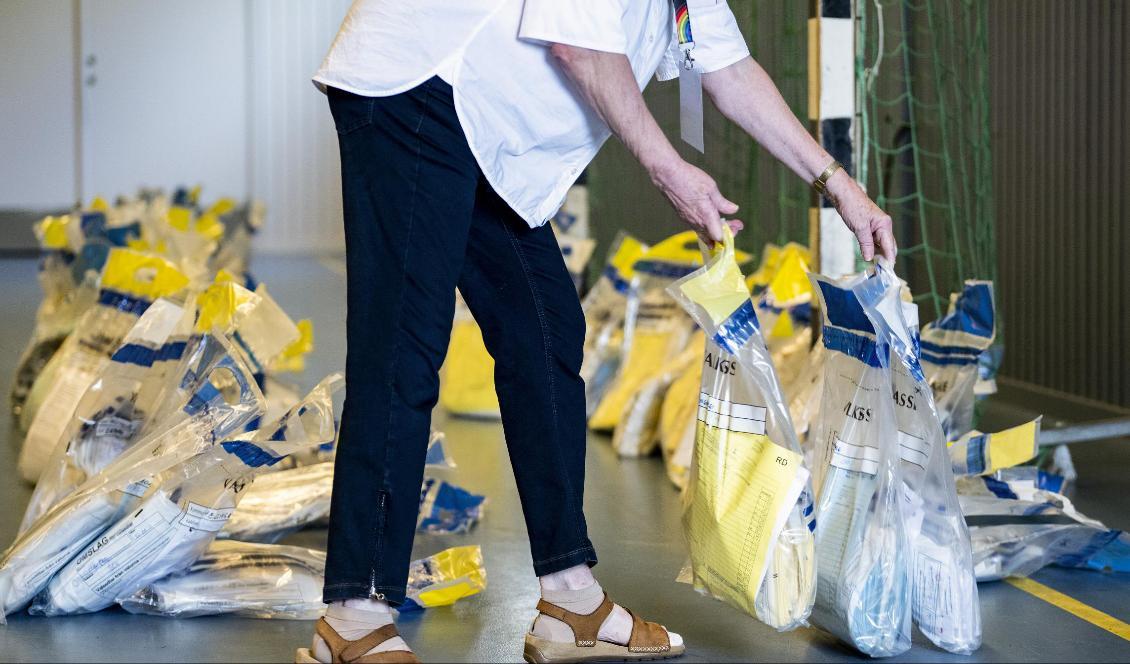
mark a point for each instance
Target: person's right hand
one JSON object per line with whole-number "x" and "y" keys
{"x": 696, "y": 198}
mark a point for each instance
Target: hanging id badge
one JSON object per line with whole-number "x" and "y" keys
{"x": 690, "y": 81}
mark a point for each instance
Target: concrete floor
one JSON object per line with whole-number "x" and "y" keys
{"x": 637, "y": 567}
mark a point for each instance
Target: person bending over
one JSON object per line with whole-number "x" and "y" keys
{"x": 461, "y": 125}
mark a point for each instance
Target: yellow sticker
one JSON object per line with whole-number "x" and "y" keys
{"x": 52, "y": 232}
{"x": 790, "y": 283}
{"x": 720, "y": 289}
{"x": 1014, "y": 446}
{"x": 209, "y": 226}
{"x": 293, "y": 357}
{"x": 142, "y": 274}
{"x": 221, "y": 303}
{"x": 770, "y": 257}
{"x": 179, "y": 217}
{"x": 627, "y": 253}
{"x": 221, "y": 207}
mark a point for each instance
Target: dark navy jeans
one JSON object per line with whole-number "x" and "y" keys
{"x": 420, "y": 219}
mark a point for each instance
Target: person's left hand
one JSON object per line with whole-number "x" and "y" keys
{"x": 872, "y": 226}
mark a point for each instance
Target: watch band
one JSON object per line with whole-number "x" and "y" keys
{"x": 820, "y": 184}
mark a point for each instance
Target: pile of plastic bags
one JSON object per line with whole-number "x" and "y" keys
{"x": 159, "y": 430}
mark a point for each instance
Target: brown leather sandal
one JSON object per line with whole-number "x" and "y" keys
{"x": 648, "y": 641}
{"x": 353, "y": 652}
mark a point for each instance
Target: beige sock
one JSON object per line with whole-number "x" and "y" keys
{"x": 354, "y": 619}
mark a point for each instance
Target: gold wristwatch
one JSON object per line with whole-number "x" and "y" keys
{"x": 820, "y": 184}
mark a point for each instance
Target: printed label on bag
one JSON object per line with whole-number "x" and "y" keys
{"x": 117, "y": 427}
{"x": 208, "y": 519}
{"x": 913, "y": 449}
{"x": 859, "y": 458}
{"x": 738, "y": 417}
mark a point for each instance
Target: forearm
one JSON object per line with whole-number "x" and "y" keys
{"x": 745, "y": 94}
{"x": 606, "y": 82}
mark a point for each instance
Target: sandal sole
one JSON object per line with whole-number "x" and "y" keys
{"x": 541, "y": 651}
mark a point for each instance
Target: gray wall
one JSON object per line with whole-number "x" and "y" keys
{"x": 1060, "y": 90}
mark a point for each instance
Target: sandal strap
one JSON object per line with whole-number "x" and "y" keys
{"x": 343, "y": 651}
{"x": 647, "y": 636}
{"x": 585, "y": 627}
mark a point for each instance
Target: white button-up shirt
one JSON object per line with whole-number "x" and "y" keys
{"x": 530, "y": 131}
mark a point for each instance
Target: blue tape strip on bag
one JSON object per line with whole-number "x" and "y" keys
{"x": 972, "y": 312}
{"x": 942, "y": 360}
{"x": 664, "y": 269}
{"x": 842, "y": 309}
{"x": 618, "y": 282}
{"x": 172, "y": 350}
{"x": 92, "y": 223}
{"x": 1115, "y": 556}
{"x": 454, "y": 509}
{"x": 999, "y": 489}
{"x": 975, "y": 455}
{"x": 142, "y": 356}
{"x": 123, "y": 301}
{"x": 200, "y": 400}
{"x": 251, "y": 454}
{"x": 736, "y": 330}
{"x": 853, "y": 345}
{"x": 1080, "y": 557}
{"x": 939, "y": 349}
{"x": 1049, "y": 482}
{"x": 119, "y": 236}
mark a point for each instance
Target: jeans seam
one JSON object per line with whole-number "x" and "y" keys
{"x": 547, "y": 347}
{"x": 375, "y": 566}
{"x": 574, "y": 552}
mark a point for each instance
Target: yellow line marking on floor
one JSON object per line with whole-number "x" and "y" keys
{"x": 1072, "y": 606}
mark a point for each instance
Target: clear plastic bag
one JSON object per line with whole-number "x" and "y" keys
{"x": 239, "y": 578}
{"x": 945, "y": 605}
{"x": 217, "y": 397}
{"x": 978, "y": 453}
{"x": 1017, "y": 529}
{"x": 130, "y": 282}
{"x": 182, "y": 510}
{"x": 748, "y": 506}
{"x": 637, "y": 432}
{"x": 110, "y": 415}
{"x": 604, "y": 307}
{"x": 445, "y": 578}
{"x": 284, "y": 501}
{"x": 863, "y": 593}
{"x": 677, "y": 416}
{"x": 655, "y": 328}
{"x": 784, "y": 309}
{"x": 65, "y": 299}
{"x": 951, "y": 349}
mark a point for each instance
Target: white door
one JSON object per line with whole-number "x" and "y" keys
{"x": 164, "y": 96}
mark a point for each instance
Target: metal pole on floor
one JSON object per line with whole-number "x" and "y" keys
{"x": 1118, "y": 427}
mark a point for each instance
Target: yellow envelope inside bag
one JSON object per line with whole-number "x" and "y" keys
{"x": 742, "y": 484}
